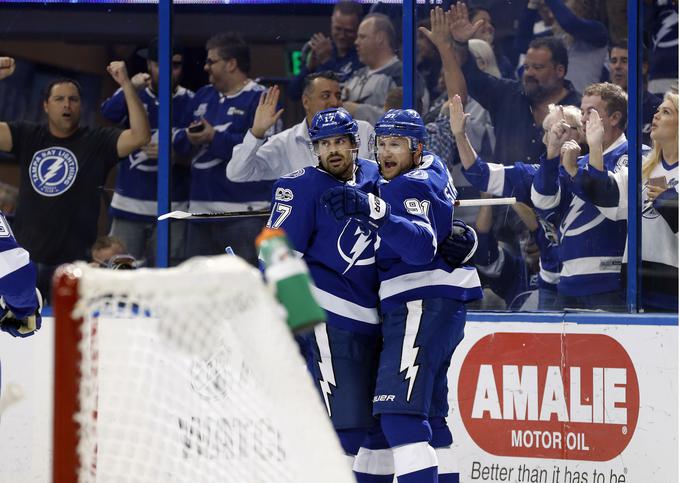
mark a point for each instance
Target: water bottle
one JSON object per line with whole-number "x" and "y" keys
{"x": 287, "y": 274}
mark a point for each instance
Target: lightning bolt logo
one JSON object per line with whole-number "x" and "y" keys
{"x": 409, "y": 350}
{"x": 361, "y": 243}
{"x": 327, "y": 380}
{"x": 575, "y": 210}
{"x": 52, "y": 171}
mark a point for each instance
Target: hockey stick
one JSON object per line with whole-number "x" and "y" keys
{"x": 486, "y": 202}
{"x": 184, "y": 215}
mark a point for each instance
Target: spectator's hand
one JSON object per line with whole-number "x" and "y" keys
{"x": 205, "y": 136}
{"x": 266, "y": 114}
{"x": 151, "y": 150}
{"x": 653, "y": 191}
{"x": 439, "y": 35}
{"x": 557, "y": 136}
{"x": 457, "y": 116}
{"x": 7, "y": 66}
{"x": 459, "y": 23}
{"x": 594, "y": 129}
{"x": 322, "y": 48}
{"x": 140, "y": 80}
{"x": 569, "y": 153}
{"x": 119, "y": 72}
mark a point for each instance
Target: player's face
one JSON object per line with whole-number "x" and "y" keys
{"x": 665, "y": 123}
{"x": 541, "y": 75}
{"x": 618, "y": 67}
{"x": 367, "y": 41}
{"x": 324, "y": 94}
{"x": 336, "y": 155}
{"x": 394, "y": 156}
{"x": 63, "y": 109}
{"x": 344, "y": 30}
{"x": 152, "y": 67}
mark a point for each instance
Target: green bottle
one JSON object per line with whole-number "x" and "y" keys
{"x": 289, "y": 277}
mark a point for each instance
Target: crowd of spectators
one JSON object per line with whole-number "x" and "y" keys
{"x": 539, "y": 113}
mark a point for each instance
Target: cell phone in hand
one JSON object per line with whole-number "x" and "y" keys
{"x": 196, "y": 128}
{"x": 660, "y": 182}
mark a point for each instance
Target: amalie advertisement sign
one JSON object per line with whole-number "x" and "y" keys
{"x": 557, "y": 396}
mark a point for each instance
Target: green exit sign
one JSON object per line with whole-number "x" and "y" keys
{"x": 295, "y": 62}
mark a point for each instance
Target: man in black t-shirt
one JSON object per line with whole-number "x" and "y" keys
{"x": 62, "y": 167}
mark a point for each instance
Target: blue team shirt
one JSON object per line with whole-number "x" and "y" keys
{"x": 340, "y": 256}
{"x": 409, "y": 267}
{"x": 137, "y": 179}
{"x": 515, "y": 180}
{"x": 17, "y": 274}
{"x": 590, "y": 245}
{"x": 231, "y": 117}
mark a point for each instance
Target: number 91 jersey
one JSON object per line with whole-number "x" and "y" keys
{"x": 340, "y": 256}
{"x": 425, "y": 196}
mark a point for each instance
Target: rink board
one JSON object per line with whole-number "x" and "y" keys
{"x": 533, "y": 399}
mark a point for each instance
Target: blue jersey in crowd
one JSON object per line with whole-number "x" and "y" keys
{"x": 590, "y": 245}
{"x": 409, "y": 267}
{"x": 231, "y": 117}
{"x": 137, "y": 180}
{"x": 340, "y": 257}
{"x": 515, "y": 180}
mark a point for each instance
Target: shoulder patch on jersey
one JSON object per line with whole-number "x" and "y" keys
{"x": 53, "y": 171}
{"x": 417, "y": 174}
{"x": 428, "y": 159}
{"x": 621, "y": 163}
{"x": 283, "y": 194}
{"x": 5, "y": 231}
{"x": 294, "y": 174}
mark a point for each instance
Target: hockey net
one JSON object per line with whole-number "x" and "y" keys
{"x": 187, "y": 374}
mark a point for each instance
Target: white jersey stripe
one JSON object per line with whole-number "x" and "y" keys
{"x": 12, "y": 260}
{"x": 345, "y": 308}
{"x": 460, "y": 277}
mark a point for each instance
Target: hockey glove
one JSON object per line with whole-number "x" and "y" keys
{"x": 460, "y": 245}
{"x": 344, "y": 202}
{"x": 20, "y": 327}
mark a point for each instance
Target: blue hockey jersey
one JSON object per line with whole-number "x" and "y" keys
{"x": 340, "y": 257}
{"x": 515, "y": 180}
{"x": 17, "y": 274}
{"x": 231, "y": 117}
{"x": 409, "y": 268}
{"x": 590, "y": 246}
{"x": 137, "y": 180}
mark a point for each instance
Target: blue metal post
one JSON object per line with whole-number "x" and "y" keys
{"x": 408, "y": 27}
{"x": 634, "y": 152}
{"x": 164, "y": 117}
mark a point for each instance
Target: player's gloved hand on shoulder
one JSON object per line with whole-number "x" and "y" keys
{"x": 460, "y": 245}
{"x": 23, "y": 327}
{"x": 344, "y": 202}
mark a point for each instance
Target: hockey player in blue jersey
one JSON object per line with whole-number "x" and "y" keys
{"x": 422, "y": 299}
{"x": 341, "y": 354}
{"x": 20, "y": 302}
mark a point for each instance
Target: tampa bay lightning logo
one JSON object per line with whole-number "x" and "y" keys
{"x": 53, "y": 171}
{"x": 352, "y": 243}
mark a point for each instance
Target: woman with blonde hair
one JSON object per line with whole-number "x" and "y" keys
{"x": 609, "y": 192}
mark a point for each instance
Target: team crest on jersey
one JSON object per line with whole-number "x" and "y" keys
{"x": 352, "y": 243}
{"x": 283, "y": 194}
{"x": 294, "y": 174}
{"x": 53, "y": 171}
{"x": 5, "y": 231}
{"x": 234, "y": 111}
{"x": 201, "y": 110}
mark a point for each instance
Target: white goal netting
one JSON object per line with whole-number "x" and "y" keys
{"x": 190, "y": 374}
